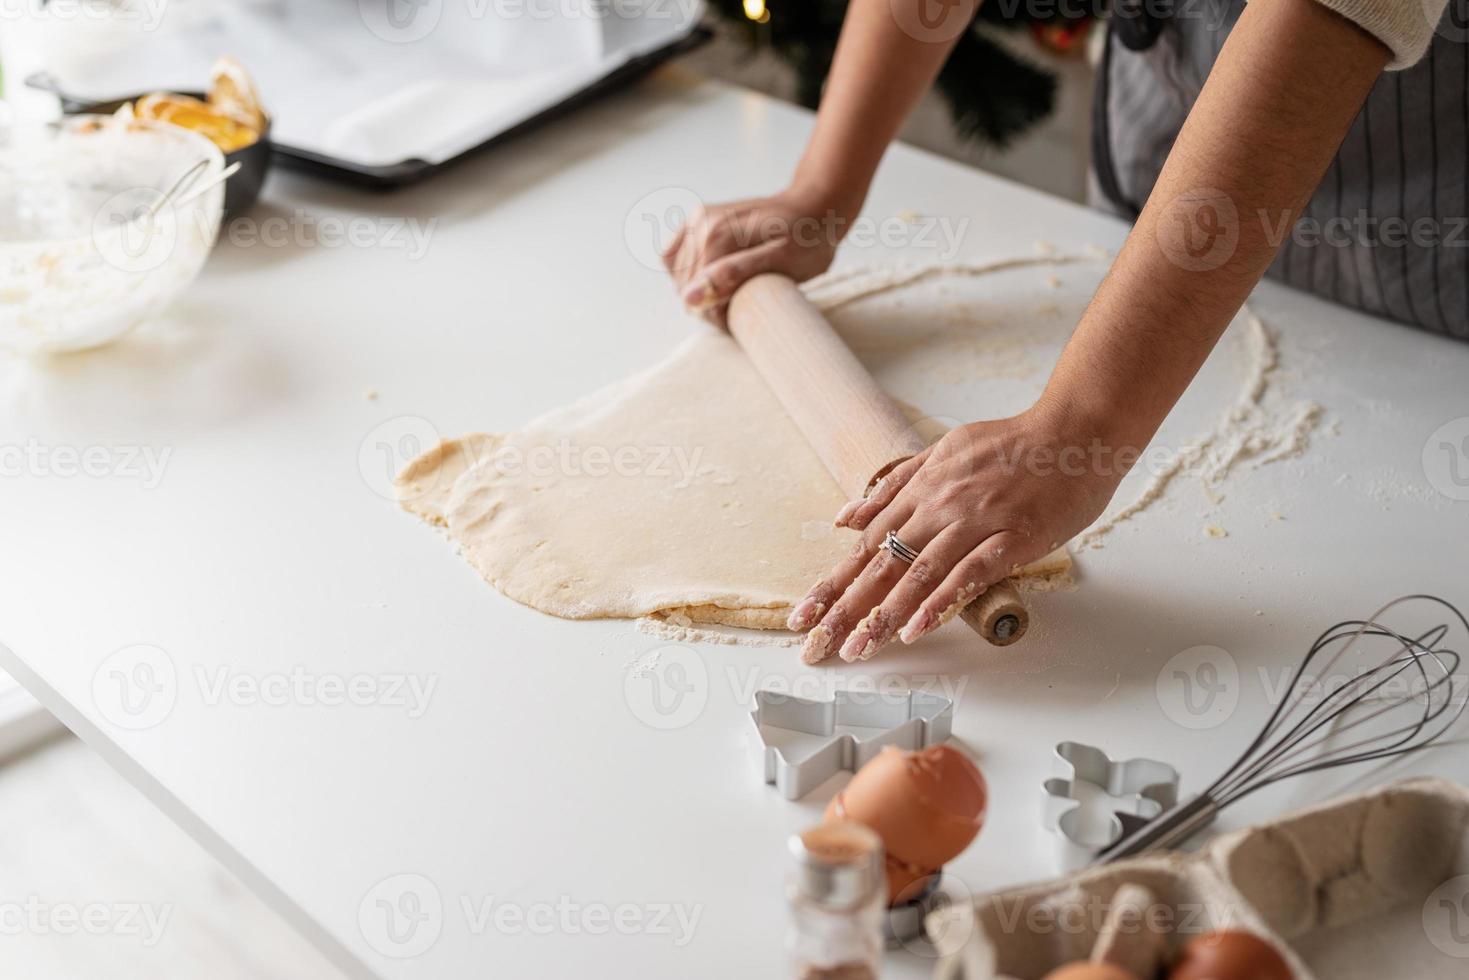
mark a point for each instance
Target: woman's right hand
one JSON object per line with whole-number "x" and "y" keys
{"x": 794, "y": 233}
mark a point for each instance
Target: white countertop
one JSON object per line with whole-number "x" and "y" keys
{"x": 534, "y": 777}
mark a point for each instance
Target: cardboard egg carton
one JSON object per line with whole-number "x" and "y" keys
{"x": 1363, "y": 888}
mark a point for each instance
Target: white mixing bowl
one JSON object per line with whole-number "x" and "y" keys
{"x": 86, "y": 252}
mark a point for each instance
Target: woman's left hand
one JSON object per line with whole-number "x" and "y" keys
{"x": 986, "y": 499}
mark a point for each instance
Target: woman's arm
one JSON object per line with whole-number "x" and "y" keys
{"x": 991, "y": 496}
{"x": 1288, "y": 83}
{"x": 880, "y": 71}
{"x": 886, "y": 58}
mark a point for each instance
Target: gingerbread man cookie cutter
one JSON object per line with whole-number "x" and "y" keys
{"x": 1134, "y": 790}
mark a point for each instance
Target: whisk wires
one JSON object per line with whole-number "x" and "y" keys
{"x": 1416, "y": 683}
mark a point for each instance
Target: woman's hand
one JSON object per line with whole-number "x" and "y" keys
{"x": 986, "y": 499}
{"x": 794, "y": 233}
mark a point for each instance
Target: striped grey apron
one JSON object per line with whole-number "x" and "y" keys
{"x": 1386, "y": 229}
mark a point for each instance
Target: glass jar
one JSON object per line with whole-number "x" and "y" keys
{"x": 836, "y": 891}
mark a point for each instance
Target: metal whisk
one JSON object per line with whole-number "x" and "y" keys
{"x": 1404, "y": 696}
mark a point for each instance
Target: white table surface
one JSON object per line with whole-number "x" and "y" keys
{"x": 534, "y": 778}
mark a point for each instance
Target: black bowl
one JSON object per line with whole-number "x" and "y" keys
{"x": 242, "y": 189}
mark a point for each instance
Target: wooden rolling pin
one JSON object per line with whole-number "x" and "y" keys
{"x": 856, "y": 429}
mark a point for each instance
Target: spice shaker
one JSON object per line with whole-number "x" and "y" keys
{"x": 837, "y": 893}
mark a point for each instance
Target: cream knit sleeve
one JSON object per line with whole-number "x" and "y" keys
{"x": 1405, "y": 26}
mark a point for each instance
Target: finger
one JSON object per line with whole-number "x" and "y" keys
{"x": 824, "y": 593}
{"x": 693, "y": 287}
{"x": 692, "y": 247}
{"x": 711, "y": 292}
{"x": 859, "y": 513}
{"x": 827, "y": 637}
{"x": 919, "y": 581}
{"x": 865, "y": 596}
{"x": 721, "y": 278}
{"x": 682, "y": 252}
{"x": 712, "y": 239}
{"x": 670, "y": 251}
{"x": 990, "y": 561}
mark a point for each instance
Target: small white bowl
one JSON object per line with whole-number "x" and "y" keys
{"x": 84, "y": 256}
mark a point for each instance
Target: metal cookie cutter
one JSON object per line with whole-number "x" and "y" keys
{"x": 1137, "y": 790}
{"x": 800, "y": 744}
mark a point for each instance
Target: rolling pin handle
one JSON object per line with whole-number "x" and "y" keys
{"x": 998, "y": 615}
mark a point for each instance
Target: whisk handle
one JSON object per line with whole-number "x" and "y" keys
{"x": 1172, "y": 826}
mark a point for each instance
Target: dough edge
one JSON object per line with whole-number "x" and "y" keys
{"x": 425, "y": 485}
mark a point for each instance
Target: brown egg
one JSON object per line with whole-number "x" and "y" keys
{"x": 1229, "y": 954}
{"x": 1089, "y": 971}
{"x": 926, "y": 806}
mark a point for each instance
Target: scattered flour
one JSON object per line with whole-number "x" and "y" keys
{"x": 644, "y": 665}
{"x": 1256, "y": 429}
{"x": 960, "y": 351}
{"x": 834, "y": 290}
{"x": 1389, "y": 486}
{"x": 966, "y": 344}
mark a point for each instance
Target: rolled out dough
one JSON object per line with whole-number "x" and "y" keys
{"x": 683, "y": 491}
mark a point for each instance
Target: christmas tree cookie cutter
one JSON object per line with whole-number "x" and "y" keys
{"x": 800, "y": 744}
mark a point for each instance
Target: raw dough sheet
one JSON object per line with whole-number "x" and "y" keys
{"x": 684, "y": 492}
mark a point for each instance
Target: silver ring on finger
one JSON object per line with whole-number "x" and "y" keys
{"x": 894, "y": 546}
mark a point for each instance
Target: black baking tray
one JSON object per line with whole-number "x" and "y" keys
{"x": 412, "y": 170}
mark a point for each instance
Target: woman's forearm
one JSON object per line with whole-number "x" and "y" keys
{"x": 1287, "y": 85}
{"x": 886, "y": 58}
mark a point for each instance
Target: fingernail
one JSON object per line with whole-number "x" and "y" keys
{"x": 807, "y": 611}
{"x": 818, "y": 644}
{"x": 846, "y": 512}
{"x": 700, "y": 297}
{"x": 858, "y": 522}
{"x": 870, "y": 636}
{"x": 920, "y": 624}
{"x": 694, "y": 294}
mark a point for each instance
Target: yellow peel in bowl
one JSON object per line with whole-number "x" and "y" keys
{"x": 225, "y": 131}
{"x": 233, "y": 93}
